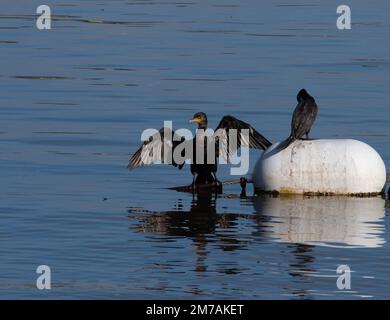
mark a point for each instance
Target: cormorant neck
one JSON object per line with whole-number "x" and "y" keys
{"x": 202, "y": 126}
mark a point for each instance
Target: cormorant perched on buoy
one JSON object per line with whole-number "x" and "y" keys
{"x": 202, "y": 170}
{"x": 303, "y": 118}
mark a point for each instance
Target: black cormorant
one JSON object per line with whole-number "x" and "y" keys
{"x": 201, "y": 169}
{"x": 302, "y": 120}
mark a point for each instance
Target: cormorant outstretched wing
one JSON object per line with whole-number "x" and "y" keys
{"x": 152, "y": 150}
{"x": 256, "y": 140}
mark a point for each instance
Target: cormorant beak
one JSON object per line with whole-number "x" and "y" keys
{"x": 197, "y": 120}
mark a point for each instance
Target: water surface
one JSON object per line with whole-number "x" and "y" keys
{"x": 75, "y": 99}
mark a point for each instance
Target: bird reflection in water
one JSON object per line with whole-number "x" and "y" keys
{"x": 302, "y": 223}
{"x": 201, "y": 223}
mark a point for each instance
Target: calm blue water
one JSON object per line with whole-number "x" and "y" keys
{"x": 75, "y": 99}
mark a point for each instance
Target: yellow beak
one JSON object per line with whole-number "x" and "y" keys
{"x": 197, "y": 120}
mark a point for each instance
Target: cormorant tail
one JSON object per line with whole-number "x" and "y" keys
{"x": 284, "y": 144}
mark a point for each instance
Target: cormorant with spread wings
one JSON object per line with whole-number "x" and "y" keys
{"x": 165, "y": 144}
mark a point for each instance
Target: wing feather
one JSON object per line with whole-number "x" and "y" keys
{"x": 223, "y": 138}
{"x": 152, "y": 150}
{"x": 303, "y": 118}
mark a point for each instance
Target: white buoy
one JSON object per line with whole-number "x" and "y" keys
{"x": 325, "y": 166}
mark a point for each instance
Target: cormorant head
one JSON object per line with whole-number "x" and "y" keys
{"x": 201, "y": 119}
{"x": 302, "y": 95}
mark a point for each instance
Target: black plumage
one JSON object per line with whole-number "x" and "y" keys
{"x": 201, "y": 168}
{"x": 256, "y": 140}
{"x": 303, "y": 118}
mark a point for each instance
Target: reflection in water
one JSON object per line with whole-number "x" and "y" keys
{"x": 294, "y": 219}
{"x": 300, "y": 263}
{"x": 201, "y": 223}
{"x": 303, "y": 222}
{"x": 336, "y": 221}
{"x": 279, "y": 238}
